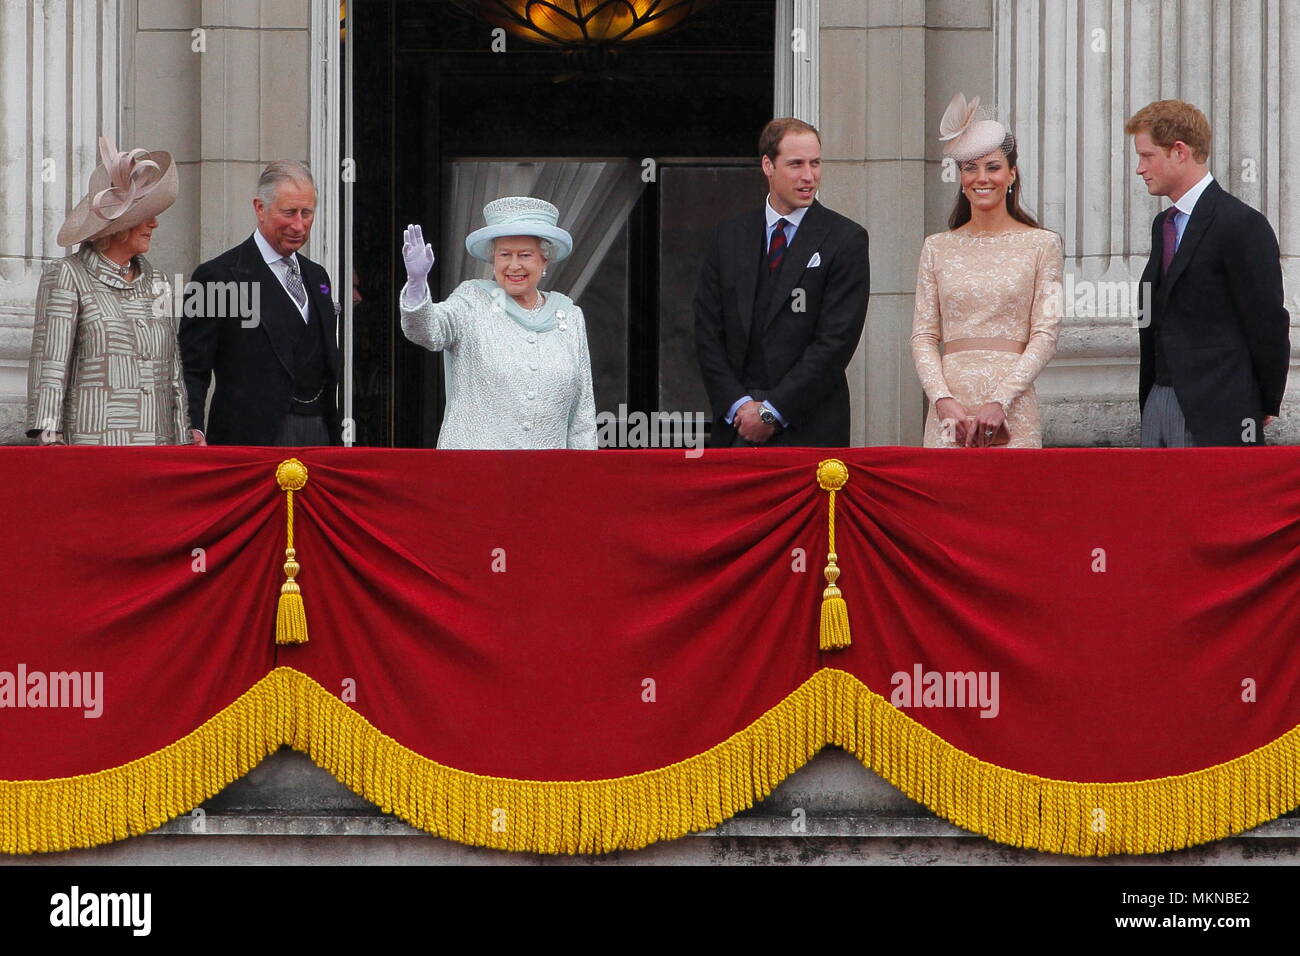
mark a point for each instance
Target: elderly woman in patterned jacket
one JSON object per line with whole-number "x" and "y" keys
{"x": 105, "y": 367}
{"x": 518, "y": 369}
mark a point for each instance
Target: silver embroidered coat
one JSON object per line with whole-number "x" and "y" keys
{"x": 507, "y": 387}
{"x": 105, "y": 367}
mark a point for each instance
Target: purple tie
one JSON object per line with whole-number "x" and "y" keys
{"x": 1170, "y": 241}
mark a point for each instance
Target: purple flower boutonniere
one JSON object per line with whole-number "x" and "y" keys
{"x": 324, "y": 289}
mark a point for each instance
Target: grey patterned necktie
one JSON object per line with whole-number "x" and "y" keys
{"x": 294, "y": 282}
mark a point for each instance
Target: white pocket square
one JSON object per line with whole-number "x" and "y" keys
{"x": 815, "y": 261}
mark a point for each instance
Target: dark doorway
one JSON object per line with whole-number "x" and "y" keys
{"x": 652, "y": 152}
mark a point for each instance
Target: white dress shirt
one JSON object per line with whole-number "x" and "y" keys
{"x": 281, "y": 269}
{"x": 1187, "y": 202}
{"x": 793, "y": 219}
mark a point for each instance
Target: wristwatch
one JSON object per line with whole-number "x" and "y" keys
{"x": 768, "y": 418}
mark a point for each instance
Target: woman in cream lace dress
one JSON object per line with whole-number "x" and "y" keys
{"x": 989, "y": 292}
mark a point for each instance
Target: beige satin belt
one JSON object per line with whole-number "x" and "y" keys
{"x": 988, "y": 345}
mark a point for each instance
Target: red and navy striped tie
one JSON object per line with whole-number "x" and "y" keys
{"x": 776, "y": 251}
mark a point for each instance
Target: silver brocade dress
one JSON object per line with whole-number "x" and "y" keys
{"x": 1006, "y": 287}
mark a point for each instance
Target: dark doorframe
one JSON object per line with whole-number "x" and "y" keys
{"x": 427, "y": 87}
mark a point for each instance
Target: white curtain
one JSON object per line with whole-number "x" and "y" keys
{"x": 594, "y": 197}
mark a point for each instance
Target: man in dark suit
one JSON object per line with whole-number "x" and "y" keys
{"x": 275, "y": 359}
{"x": 780, "y": 306}
{"x": 1214, "y": 334}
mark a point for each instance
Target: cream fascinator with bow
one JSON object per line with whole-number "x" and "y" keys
{"x": 126, "y": 189}
{"x": 968, "y": 133}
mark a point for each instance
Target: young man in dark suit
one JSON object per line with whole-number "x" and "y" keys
{"x": 1214, "y": 336}
{"x": 276, "y": 365}
{"x": 780, "y": 306}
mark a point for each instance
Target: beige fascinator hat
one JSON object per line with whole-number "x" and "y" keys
{"x": 126, "y": 189}
{"x": 968, "y": 133}
{"x": 518, "y": 216}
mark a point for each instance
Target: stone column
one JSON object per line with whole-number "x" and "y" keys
{"x": 59, "y": 69}
{"x": 888, "y": 68}
{"x": 223, "y": 85}
{"x": 798, "y": 78}
{"x": 255, "y": 101}
{"x": 1069, "y": 73}
{"x": 163, "y": 47}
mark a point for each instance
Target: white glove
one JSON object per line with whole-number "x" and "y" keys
{"x": 419, "y": 258}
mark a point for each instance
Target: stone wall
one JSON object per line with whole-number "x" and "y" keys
{"x": 1064, "y": 74}
{"x": 58, "y": 62}
{"x": 221, "y": 84}
{"x": 1068, "y": 76}
{"x": 224, "y": 111}
{"x": 888, "y": 70}
{"x": 832, "y": 811}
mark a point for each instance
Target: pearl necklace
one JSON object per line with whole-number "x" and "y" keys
{"x": 122, "y": 270}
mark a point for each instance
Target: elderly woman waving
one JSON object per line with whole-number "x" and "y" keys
{"x": 518, "y": 370}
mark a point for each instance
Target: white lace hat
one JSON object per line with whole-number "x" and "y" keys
{"x": 518, "y": 216}
{"x": 969, "y": 133}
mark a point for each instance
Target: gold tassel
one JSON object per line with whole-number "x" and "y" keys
{"x": 290, "y": 616}
{"x": 832, "y": 475}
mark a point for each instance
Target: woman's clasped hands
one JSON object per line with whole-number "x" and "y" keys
{"x": 972, "y": 430}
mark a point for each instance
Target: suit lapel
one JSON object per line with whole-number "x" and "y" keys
{"x": 807, "y": 238}
{"x": 747, "y": 274}
{"x": 318, "y": 293}
{"x": 274, "y": 302}
{"x": 1197, "y": 225}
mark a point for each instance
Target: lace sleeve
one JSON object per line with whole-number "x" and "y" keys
{"x": 1044, "y": 324}
{"x": 927, "y": 329}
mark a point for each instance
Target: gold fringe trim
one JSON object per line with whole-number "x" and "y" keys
{"x": 538, "y": 816}
{"x": 626, "y": 813}
{"x": 1061, "y": 816}
{"x": 39, "y": 816}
